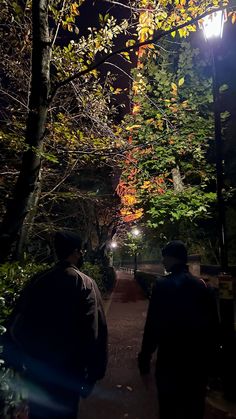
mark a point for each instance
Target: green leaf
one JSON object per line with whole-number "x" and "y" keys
{"x": 223, "y": 88}
{"x": 181, "y": 81}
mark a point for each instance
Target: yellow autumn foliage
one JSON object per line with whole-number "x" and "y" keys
{"x": 128, "y": 200}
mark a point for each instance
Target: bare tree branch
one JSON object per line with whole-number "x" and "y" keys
{"x": 61, "y": 181}
{"x": 130, "y": 7}
{"x": 59, "y": 23}
{"x": 14, "y": 98}
{"x": 10, "y": 173}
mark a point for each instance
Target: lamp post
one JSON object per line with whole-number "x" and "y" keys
{"x": 212, "y": 26}
{"x": 113, "y": 246}
{"x": 135, "y": 232}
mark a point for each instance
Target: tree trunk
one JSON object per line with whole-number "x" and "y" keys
{"x": 28, "y": 223}
{"x": 177, "y": 179}
{"x": 19, "y": 205}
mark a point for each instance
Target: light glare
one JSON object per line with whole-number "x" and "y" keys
{"x": 135, "y": 231}
{"x": 213, "y": 24}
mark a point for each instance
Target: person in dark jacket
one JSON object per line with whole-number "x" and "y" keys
{"x": 58, "y": 334}
{"x": 182, "y": 322}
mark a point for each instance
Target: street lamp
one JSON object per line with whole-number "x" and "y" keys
{"x": 114, "y": 244}
{"x": 212, "y": 26}
{"x": 135, "y": 232}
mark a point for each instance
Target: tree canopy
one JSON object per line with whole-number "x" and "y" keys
{"x": 57, "y": 102}
{"x": 166, "y": 173}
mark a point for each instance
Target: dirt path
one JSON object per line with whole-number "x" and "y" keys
{"x": 121, "y": 393}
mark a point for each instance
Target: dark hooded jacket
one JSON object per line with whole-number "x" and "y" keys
{"x": 59, "y": 322}
{"x": 182, "y": 322}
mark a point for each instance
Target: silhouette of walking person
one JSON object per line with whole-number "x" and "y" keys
{"x": 57, "y": 335}
{"x": 182, "y": 322}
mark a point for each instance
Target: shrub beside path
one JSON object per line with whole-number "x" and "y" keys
{"x": 121, "y": 395}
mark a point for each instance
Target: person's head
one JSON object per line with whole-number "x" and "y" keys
{"x": 68, "y": 247}
{"x": 175, "y": 255}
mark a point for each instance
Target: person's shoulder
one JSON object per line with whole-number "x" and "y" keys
{"x": 165, "y": 278}
{"x": 198, "y": 282}
{"x": 81, "y": 279}
{"x": 37, "y": 279}
{"x": 66, "y": 274}
{"x": 161, "y": 281}
{"x": 71, "y": 271}
{"x": 202, "y": 283}
{"x": 87, "y": 280}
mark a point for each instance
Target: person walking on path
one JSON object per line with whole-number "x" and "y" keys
{"x": 182, "y": 322}
{"x": 57, "y": 335}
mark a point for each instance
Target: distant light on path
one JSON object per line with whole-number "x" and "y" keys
{"x": 135, "y": 232}
{"x": 114, "y": 245}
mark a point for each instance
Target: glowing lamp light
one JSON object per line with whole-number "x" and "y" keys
{"x": 113, "y": 245}
{"x": 135, "y": 232}
{"x": 213, "y": 24}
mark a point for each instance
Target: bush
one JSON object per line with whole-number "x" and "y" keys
{"x": 105, "y": 277}
{"x": 13, "y": 277}
{"x": 95, "y": 272}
